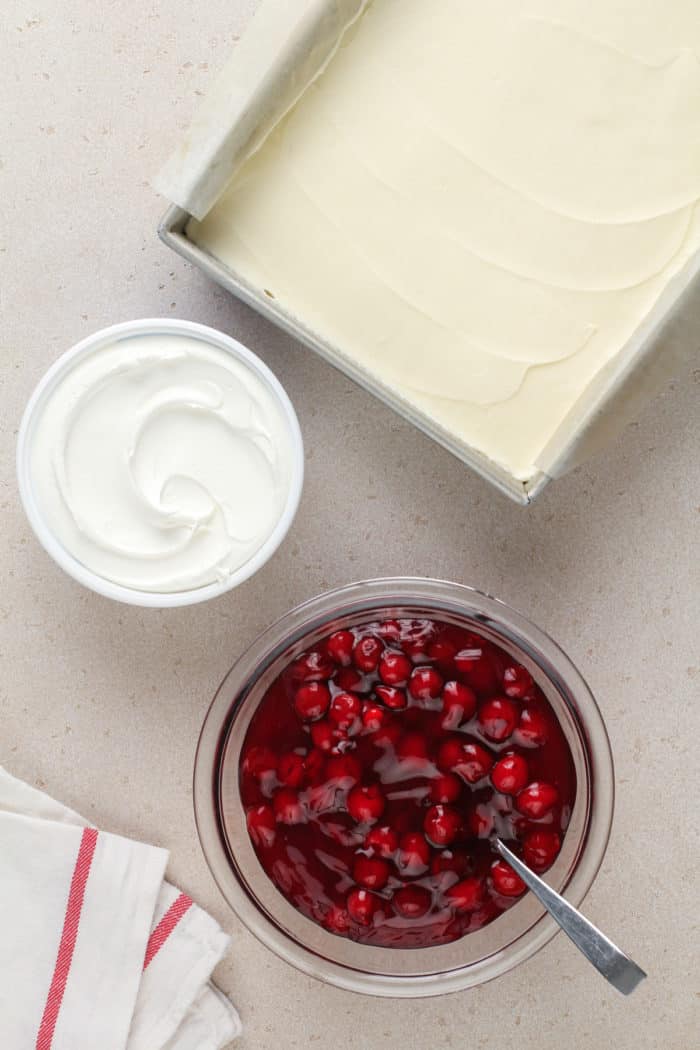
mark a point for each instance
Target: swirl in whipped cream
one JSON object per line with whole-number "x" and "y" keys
{"x": 161, "y": 462}
{"x": 480, "y": 203}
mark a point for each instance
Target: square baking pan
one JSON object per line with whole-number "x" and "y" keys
{"x": 285, "y": 48}
{"x": 656, "y": 350}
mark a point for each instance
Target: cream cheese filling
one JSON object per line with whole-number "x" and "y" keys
{"x": 480, "y": 203}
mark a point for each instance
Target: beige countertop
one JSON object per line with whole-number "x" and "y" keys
{"x": 101, "y": 704}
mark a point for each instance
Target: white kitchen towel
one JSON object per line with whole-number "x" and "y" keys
{"x": 97, "y": 951}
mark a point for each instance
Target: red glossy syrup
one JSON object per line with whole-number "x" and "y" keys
{"x": 379, "y": 765}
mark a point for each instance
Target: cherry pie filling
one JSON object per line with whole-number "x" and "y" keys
{"x": 380, "y": 764}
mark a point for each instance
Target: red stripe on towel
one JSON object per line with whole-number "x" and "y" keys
{"x": 69, "y": 936}
{"x": 165, "y": 927}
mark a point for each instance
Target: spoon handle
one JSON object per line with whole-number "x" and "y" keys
{"x": 617, "y": 968}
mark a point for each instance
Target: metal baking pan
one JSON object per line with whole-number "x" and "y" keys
{"x": 284, "y": 48}
{"x": 655, "y": 352}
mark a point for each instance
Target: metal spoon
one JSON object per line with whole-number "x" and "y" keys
{"x": 617, "y": 968}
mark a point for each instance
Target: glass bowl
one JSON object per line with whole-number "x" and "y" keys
{"x": 401, "y": 972}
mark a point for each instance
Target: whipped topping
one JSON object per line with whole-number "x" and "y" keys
{"x": 480, "y": 203}
{"x": 161, "y": 462}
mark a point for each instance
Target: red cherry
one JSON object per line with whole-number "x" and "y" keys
{"x": 315, "y": 764}
{"x": 442, "y": 825}
{"x": 345, "y": 709}
{"x": 470, "y": 761}
{"x": 312, "y": 667}
{"x": 312, "y": 700}
{"x": 517, "y": 682}
{"x": 389, "y": 630}
{"x": 450, "y": 860}
{"x": 366, "y": 654}
{"x": 261, "y": 826}
{"x": 337, "y": 920}
{"x": 362, "y": 905}
{"x": 416, "y": 649}
{"x": 505, "y": 880}
{"x": 458, "y": 704}
{"x": 442, "y": 650}
{"x": 371, "y": 872}
{"x": 425, "y": 683}
{"x": 291, "y": 769}
{"x": 540, "y": 849}
{"x": 498, "y": 718}
{"x": 324, "y": 735}
{"x": 445, "y": 788}
{"x": 392, "y": 697}
{"x": 394, "y": 668}
{"x": 450, "y": 753}
{"x": 509, "y": 775}
{"x": 412, "y": 902}
{"x": 467, "y": 895}
{"x": 536, "y": 800}
{"x": 481, "y": 821}
{"x": 476, "y": 663}
{"x": 347, "y": 769}
{"x": 414, "y": 854}
{"x": 366, "y": 803}
{"x": 467, "y": 657}
{"x": 532, "y": 728}
{"x": 383, "y": 841}
{"x": 340, "y": 646}
{"x": 259, "y": 761}
{"x": 288, "y": 809}
{"x": 350, "y": 679}
{"x": 373, "y": 716}
{"x": 416, "y": 636}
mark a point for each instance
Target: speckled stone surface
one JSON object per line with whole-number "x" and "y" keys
{"x": 101, "y": 704}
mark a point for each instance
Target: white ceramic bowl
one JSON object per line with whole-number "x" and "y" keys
{"x": 75, "y": 568}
